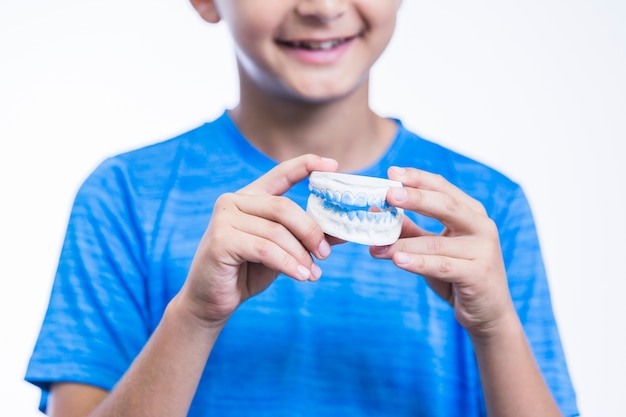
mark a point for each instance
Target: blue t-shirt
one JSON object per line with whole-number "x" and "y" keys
{"x": 367, "y": 339}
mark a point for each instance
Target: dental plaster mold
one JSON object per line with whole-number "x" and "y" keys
{"x": 354, "y": 208}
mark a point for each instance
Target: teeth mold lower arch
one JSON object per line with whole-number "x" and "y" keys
{"x": 354, "y": 208}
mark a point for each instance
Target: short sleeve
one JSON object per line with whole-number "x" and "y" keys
{"x": 97, "y": 318}
{"x": 531, "y": 296}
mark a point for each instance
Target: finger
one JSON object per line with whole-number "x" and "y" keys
{"x": 287, "y": 222}
{"x": 282, "y": 177}
{"x": 275, "y": 236}
{"x": 450, "y": 270}
{"x": 257, "y": 249}
{"x": 424, "y": 180}
{"x": 243, "y": 237}
{"x": 441, "y": 288}
{"x": 450, "y": 211}
{"x": 464, "y": 247}
{"x": 237, "y": 238}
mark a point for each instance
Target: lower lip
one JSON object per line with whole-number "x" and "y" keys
{"x": 322, "y": 56}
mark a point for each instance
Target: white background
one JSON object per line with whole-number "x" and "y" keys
{"x": 536, "y": 88}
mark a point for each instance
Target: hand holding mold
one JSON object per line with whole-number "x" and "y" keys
{"x": 464, "y": 263}
{"x": 254, "y": 235}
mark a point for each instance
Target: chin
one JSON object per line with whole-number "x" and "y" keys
{"x": 325, "y": 92}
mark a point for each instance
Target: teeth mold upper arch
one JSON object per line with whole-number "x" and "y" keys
{"x": 354, "y": 208}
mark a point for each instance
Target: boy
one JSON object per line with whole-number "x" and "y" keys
{"x": 147, "y": 313}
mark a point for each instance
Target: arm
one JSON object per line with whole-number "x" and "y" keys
{"x": 464, "y": 266}
{"x": 161, "y": 381}
{"x": 253, "y": 236}
{"x": 512, "y": 383}
{"x": 68, "y": 399}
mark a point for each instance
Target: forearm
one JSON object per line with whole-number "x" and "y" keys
{"x": 164, "y": 377}
{"x": 512, "y": 382}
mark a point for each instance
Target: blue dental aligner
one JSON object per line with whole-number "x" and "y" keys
{"x": 354, "y": 208}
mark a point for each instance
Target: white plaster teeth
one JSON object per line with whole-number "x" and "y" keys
{"x": 373, "y": 201}
{"x": 348, "y": 198}
{"x": 341, "y": 204}
{"x": 360, "y": 200}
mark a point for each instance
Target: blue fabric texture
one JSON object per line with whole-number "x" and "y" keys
{"x": 366, "y": 340}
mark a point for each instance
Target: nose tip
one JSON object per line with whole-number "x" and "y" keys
{"x": 322, "y": 10}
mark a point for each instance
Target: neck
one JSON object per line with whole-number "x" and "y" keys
{"x": 345, "y": 129}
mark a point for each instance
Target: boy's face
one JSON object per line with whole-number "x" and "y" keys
{"x": 311, "y": 50}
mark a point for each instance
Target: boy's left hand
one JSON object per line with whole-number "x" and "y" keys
{"x": 464, "y": 263}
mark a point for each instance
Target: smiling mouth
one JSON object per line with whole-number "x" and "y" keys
{"x": 311, "y": 45}
{"x": 354, "y": 208}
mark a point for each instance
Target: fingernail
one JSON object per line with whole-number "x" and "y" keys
{"x": 402, "y": 258}
{"x": 328, "y": 160}
{"x": 380, "y": 250}
{"x": 398, "y": 170}
{"x": 324, "y": 249}
{"x": 316, "y": 271}
{"x": 399, "y": 193}
{"x": 303, "y": 273}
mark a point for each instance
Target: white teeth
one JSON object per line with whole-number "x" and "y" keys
{"x": 360, "y": 200}
{"x": 350, "y": 199}
{"x": 371, "y": 217}
{"x": 326, "y": 45}
{"x": 315, "y": 46}
{"x": 340, "y": 204}
{"x": 347, "y": 199}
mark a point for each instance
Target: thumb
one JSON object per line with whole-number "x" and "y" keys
{"x": 283, "y": 176}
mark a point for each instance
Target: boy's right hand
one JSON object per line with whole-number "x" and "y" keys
{"x": 254, "y": 235}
